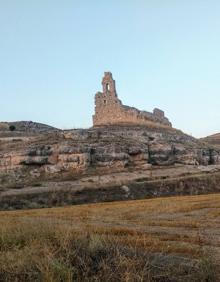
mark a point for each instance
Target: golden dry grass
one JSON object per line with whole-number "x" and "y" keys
{"x": 91, "y": 242}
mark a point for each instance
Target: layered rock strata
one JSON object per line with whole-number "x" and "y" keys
{"x": 101, "y": 150}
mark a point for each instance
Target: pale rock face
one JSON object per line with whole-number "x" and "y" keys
{"x": 104, "y": 150}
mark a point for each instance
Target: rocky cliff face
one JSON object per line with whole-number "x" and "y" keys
{"x": 99, "y": 150}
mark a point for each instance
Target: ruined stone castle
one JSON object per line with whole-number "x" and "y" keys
{"x": 109, "y": 110}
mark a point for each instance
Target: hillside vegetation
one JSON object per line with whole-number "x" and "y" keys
{"x": 25, "y": 126}
{"x": 163, "y": 239}
{"x": 213, "y": 139}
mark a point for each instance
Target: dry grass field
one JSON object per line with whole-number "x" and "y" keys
{"x": 163, "y": 239}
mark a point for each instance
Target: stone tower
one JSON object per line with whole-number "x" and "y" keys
{"x": 106, "y": 102}
{"x": 108, "y": 84}
{"x": 109, "y": 110}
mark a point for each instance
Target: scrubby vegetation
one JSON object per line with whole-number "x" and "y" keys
{"x": 170, "y": 239}
{"x": 12, "y": 127}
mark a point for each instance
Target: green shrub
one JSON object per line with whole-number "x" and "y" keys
{"x": 12, "y": 127}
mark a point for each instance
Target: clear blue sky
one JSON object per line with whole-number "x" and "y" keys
{"x": 162, "y": 54}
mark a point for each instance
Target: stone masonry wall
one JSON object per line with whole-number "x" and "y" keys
{"x": 109, "y": 110}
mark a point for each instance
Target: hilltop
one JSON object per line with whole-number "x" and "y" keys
{"x": 126, "y": 148}
{"x": 103, "y": 164}
{"x": 25, "y": 127}
{"x": 213, "y": 139}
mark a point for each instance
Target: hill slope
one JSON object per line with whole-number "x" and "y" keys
{"x": 213, "y": 139}
{"x": 25, "y": 126}
{"x": 30, "y": 160}
{"x": 62, "y": 155}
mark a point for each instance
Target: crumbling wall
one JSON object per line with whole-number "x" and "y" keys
{"x": 110, "y": 110}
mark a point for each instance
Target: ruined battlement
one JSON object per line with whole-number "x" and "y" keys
{"x": 109, "y": 110}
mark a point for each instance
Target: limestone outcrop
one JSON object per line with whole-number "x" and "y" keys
{"x": 101, "y": 150}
